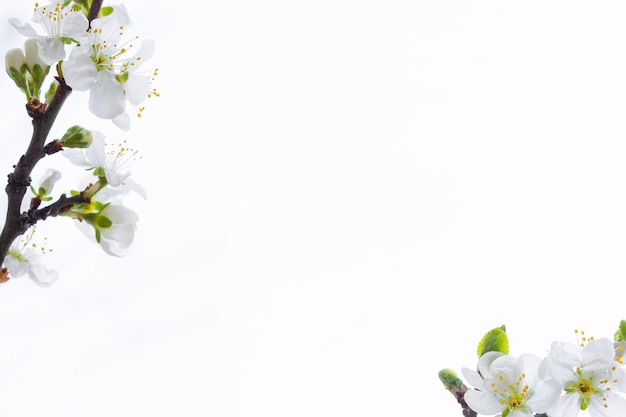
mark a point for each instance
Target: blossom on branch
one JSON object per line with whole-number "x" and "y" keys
{"x": 114, "y": 225}
{"x": 62, "y": 25}
{"x": 590, "y": 376}
{"x": 111, "y": 167}
{"x": 23, "y": 258}
{"x": 51, "y": 177}
{"x": 101, "y": 65}
{"x": 509, "y": 385}
{"x": 26, "y": 68}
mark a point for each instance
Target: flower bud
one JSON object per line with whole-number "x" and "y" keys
{"x": 31, "y": 54}
{"x": 47, "y": 182}
{"x": 36, "y": 67}
{"x": 15, "y": 64}
{"x": 45, "y": 187}
{"x": 450, "y": 380}
{"x": 77, "y": 137}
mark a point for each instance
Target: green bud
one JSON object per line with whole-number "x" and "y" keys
{"x": 450, "y": 380}
{"x": 76, "y": 137}
{"x": 47, "y": 182}
{"x": 494, "y": 340}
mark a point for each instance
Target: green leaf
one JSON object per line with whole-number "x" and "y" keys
{"x": 495, "y": 340}
{"x": 620, "y": 334}
{"x": 105, "y": 11}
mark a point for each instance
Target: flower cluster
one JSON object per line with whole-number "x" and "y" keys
{"x": 101, "y": 61}
{"x": 569, "y": 379}
{"x": 86, "y": 45}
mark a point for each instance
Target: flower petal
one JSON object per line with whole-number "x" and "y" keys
{"x": 483, "y": 402}
{"x": 75, "y": 25}
{"x": 51, "y": 50}
{"x": 106, "y": 98}
{"x": 24, "y": 29}
{"x": 565, "y": 406}
{"x": 41, "y": 275}
{"x": 137, "y": 88}
{"x": 79, "y": 71}
{"x": 122, "y": 121}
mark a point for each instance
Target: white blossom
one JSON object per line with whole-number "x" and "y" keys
{"x": 22, "y": 258}
{"x": 103, "y": 66}
{"x": 590, "y": 377}
{"x": 61, "y": 25}
{"x": 509, "y": 385}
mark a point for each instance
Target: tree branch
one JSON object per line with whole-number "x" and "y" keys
{"x": 94, "y": 11}
{"x": 33, "y": 215}
{"x": 19, "y": 180}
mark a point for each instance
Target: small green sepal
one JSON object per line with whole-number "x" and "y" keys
{"x": 104, "y": 222}
{"x": 51, "y": 91}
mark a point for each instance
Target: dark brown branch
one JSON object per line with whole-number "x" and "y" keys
{"x": 94, "y": 11}
{"x": 32, "y": 216}
{"x": 19, "y": 179}
{"x": 43, "y": 116}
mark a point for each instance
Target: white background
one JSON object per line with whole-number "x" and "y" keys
{"x": 343, "y": 197}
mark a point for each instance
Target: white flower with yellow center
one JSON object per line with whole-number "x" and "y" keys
{"x": 509, "y": 385}
{"x": 114, "y": 226}
{"x": 111, "y": 164}
{"x": 62, "y": 26}
{"x": 24, "y": 258}
{"x": 103, "y": 66}
{"x": 590, "y": 377}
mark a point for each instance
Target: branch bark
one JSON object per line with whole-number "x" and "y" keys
{"x": 43, "y": 115}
